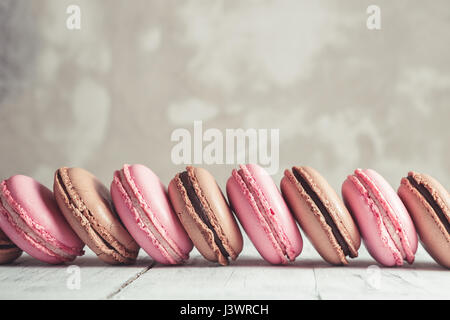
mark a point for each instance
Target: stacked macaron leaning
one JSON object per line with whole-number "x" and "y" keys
{"x": 138, "y": 211}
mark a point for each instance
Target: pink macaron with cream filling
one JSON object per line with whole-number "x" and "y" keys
{"x": 142, "y": 203}
{"x": 30, "y": 217}
{"x": 385, "y": 225}
{"x": 263, "y": 214}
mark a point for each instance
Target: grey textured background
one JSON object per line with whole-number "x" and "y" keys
{"x": 341, "y": 95}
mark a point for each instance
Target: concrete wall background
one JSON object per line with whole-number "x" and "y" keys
{"x": 113, "y": 92}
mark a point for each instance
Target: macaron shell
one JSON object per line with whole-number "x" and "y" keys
{"x": 97, "y": 198}
{"x": 433, "y": 236}
{"x": 278, "y": 205}
{"x": 154, "y": 194}
{"x": 251, "y": 223}
{"x": 88, "y": 209}
{"x": 440, "y": 194}
{"x": 310, "y": 217}
{"x": 190, "y": 222}
{"x": 133, "y": 228}
{"x": 39, "y": 203}
{"x": 310, "y": 223}
{"x": 219, "y": 206}
{"x": 376, "y": 239}
{"x": 204, "y": 231}
{"x": 397, "y": 205}
{"x": 261, "y": 237}
{"x": 329, "y": 197}
{"x": 4, "y": 240}
{"x": 34, "y": 251}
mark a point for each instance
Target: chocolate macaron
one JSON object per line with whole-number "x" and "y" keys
{"x": 8, "y": 250}
{"x": 205, "y": 215}
{"x": 86, "y": 204}
{"x": 428, "y": 204}
{"x": 321, "y": 214}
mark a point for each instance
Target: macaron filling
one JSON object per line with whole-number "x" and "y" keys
{"x": 389, "y": 220}
{"x": 429, "y": 198}
{"x": 200, "y": 210}
{"x": 38, "y": 240}
{"x": 146, "y": 220}
{"x": 328, "y": 219}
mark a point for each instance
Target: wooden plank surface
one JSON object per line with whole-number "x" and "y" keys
{"x": 28, "y": 278}
{"x": 247, "y": 278}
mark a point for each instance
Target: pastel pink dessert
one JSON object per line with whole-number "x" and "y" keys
{"x": 385, "y": 225}
{"x": 263, "y": 214}
{"x": 142, "y": 203}
{"x": 30, "y": 217}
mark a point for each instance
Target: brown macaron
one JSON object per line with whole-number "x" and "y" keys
{"x": 321, "y": 214}
{"x": 86, "y": 204}
{"x": 428, "y": 204}
{"x": 205, "y": 215}
{"x": 8, "y": 250}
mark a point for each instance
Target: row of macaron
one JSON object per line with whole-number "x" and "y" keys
{"x": 138, "y": 211}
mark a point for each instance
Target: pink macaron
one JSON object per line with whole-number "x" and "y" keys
{"x": 385, "y": 225}
{"x": 263, "y": 214}
{"x": 30, "y": 217}
{"x": 142, "y": 203}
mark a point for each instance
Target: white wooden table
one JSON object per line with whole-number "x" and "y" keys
{"x": 247, "y": 278}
